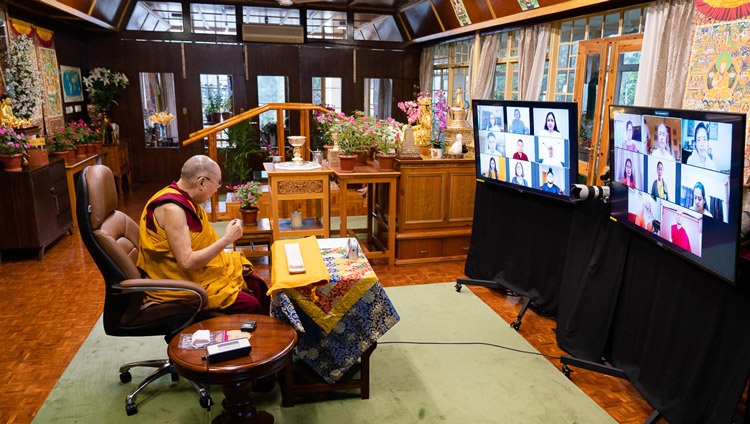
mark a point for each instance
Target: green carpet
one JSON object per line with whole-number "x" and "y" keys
{"x": 409, "y": 382}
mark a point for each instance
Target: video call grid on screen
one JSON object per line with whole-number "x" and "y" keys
{"x": 525, "y": 144}
{"x": 680, "y": 172}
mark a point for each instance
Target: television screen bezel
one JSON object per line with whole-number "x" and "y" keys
{"x": 735, "y": 182}
{"x": 572, "y": 142}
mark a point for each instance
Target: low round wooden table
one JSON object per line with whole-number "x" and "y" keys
{"x": 272, "y": 344}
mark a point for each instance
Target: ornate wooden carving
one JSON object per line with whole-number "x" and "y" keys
{"x": 300, "y": 187}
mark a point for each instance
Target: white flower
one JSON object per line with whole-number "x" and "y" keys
{"x": 104, "y": 85}
{"x": 24, "y": 82}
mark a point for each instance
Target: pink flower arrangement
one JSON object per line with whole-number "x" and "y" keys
{"x": 441, "y": 110}
{"x": 413, "y": 112}
{"x": 411, "y": 108}
{"x": 11, "y": 142}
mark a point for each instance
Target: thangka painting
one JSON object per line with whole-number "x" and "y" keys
{"x": 51, "y": 77}
{"x": 719, "y": 74}
{"x": 460, "y": 10}
{"x": 528, "y": 4}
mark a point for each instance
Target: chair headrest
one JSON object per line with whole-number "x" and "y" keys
{"x": 102, "y": 194}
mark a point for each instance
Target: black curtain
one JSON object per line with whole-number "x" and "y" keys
{"x": 679, "y": 333}
{"x": 519, "y": 240}
{"x": 591, "y": 281}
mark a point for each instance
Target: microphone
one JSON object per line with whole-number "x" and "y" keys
{"x": 583, "y": 192}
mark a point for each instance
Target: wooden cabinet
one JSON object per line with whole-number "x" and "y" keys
{"x": 435, "y": 209}
{"x": 115, "y": 156}
{"x": 289, "y": 190}
{"x": 35, "y": 207}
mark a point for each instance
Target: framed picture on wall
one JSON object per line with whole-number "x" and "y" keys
{"x": 71, "y": 84}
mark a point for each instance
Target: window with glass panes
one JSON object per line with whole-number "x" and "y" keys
{"x": 326, "y": 91}
{"x": 506, "y": 70}
{"x": 213, "y": 19}
{"x": 326, "y": 24}
{"x": 451, "y": 68}
{"x": 613, "y": 23}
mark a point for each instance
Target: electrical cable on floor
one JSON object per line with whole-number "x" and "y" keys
{"x": 476, "y": 343}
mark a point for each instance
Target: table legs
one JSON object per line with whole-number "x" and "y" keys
{"x": 238, "y": 406}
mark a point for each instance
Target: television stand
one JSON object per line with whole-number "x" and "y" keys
{"x": 460, "y": 282}
{"x": 601, "y": 369}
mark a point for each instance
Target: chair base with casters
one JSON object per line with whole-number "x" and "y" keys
{"x": 111, "y": 238}
{"x": 163, "y": 367}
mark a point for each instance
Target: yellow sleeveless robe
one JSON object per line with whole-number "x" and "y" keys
{"x": 221, "y": 277}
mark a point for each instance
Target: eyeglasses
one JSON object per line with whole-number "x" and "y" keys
{"x": 218, "y": 184}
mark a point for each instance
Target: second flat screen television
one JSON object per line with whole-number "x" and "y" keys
{"x": 677, "y": 178}
{"x": 527, "y": 145}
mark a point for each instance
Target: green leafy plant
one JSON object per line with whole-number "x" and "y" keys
{"x": 387, "y": 135}
{"x": 243, "y": 142}
{"x": 352, "y": 133}
{"x": 12, "y": 142}
{"x": 247, "y": 194}
{"x": 213, "y": 100}
{"x": 103, "y": 85}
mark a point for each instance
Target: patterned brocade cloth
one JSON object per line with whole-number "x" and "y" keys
{"x": 351, "y": 313}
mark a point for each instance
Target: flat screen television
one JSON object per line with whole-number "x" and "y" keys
{"x": 528, "y": 146}
{"x": 676, "y": 177}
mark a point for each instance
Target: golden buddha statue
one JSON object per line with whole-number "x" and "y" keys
{"x": 8, "y": 118}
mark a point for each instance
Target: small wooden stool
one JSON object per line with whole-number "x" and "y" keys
{"x": 261, "y": 233}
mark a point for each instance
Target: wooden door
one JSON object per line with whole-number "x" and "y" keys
{"x": 606, "y": 74}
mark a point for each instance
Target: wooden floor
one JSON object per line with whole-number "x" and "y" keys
{"x": 48, "y": 307}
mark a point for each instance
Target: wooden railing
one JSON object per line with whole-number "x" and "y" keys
{"x": 211, "y": 132}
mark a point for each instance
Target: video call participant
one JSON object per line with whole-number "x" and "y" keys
{"x": 492, "y": 171}
{"x": 663, "y": 149}
{"x": 519, "y": 177}
{"x": 178, "y": 242}
{"x": 549, "y": 186}
{"x": 700, "y": 151}
{"x": 550, "y": 126}
{"x": 517, "y": 126}
{"x": 629, "y": 143}
{"x": 492, "y": 147}
{"x": 678, "y": 234}
{"x": 627, "y": 178}
{"x": 550, "y": 158}
{"x": 519, "y": 154}
{"x": 699, "y": 199}
{"x": 645, "y": 217}
{"x": 492, "y": 124}
{"x": 659, "y": 186}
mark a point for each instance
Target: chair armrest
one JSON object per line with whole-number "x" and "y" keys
{"x": 144, "y": 284}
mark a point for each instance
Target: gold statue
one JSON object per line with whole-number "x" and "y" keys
{"x": 7, "y": 118}
{"x": 423, "y": 130}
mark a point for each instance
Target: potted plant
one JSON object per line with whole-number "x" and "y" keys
{"x": 247, "y": 195}
{"x": 387, "y": 136}
{"x": 436, "y": 151}
{"x": 12, "y": 148}
{"x": 103, "y": 85}
{"x": 242, "y": 153}
{"x": 59, "y": 146}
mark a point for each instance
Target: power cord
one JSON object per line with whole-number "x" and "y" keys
{"x": 479, "y": 344}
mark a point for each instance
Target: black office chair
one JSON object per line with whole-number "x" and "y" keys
{"x": 111, "y": 238}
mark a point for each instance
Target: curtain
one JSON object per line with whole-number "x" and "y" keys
{"x": 483, "y": 77}
{"x": 532, "y": 52}
{"x": 425, "y": 70}
{"x": 665, "y": 53}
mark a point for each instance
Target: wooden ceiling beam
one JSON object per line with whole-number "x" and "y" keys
{"x": 78, "y": 13}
